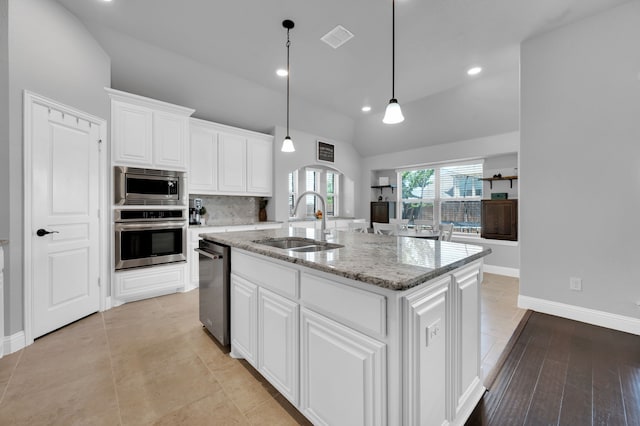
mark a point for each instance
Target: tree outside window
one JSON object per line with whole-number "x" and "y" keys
{"x": 418, "y": 194}
{"x": 444, "y": 194}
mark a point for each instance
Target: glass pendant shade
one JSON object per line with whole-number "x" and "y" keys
{"x": 393, "y": 114}
{"x": 287, "y": 145}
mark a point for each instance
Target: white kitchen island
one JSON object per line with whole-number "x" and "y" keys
{"x": 382, "y": 331}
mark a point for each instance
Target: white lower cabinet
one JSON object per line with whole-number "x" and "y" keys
{"x": 348, "y": 353}
{"x": 342, "y": 374}
{"x": 278, "y": 342}
{"x": 441, "y": 361}
{"x": 426, "y": 354}
{"x": 244, "y": 319}
{"x": 142, "y": 283}
{"x": 467, "y": 337}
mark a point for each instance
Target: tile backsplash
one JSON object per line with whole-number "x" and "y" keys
{"x": 227, "y": 210}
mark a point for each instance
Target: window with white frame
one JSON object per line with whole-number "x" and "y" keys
{"x": 324, "y": 181}
{"x": 448, "y": 193}
{"x": 333, "y": 180}
{"x": 312, "y": 184}
{"x": 293, "y": 191}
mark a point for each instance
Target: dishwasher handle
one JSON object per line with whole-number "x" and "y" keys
{"x": 209, "y": 255}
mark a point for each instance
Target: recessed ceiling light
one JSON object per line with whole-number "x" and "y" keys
{"x": 366, "y": 108}
{"x": 474, "y": 70}
{"x": 106, "y": 1}
{"x": 282, "y": 72}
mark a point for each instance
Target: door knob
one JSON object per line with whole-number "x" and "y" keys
{"x": 42, "y": 232}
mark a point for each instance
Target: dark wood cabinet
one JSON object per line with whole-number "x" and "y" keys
{"x": 382, "y": 211}
{"x": 500, "y": 219}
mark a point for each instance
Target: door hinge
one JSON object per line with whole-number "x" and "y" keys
{"x": 99, "y": 282}
{"x": 99, "y": 145}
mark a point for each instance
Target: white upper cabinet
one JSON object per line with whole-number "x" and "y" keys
{"x": 132, "y": 133}
{"x": 170, "y": 141}
{"x": 259, "y": 166}
{"x": 229, "y": 161}
{"x": 203, "y": 166}
{"x": 232, "y": 163}
{"x": 148, "y": 133}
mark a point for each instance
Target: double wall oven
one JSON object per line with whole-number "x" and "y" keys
{"x": 157, "y": 233}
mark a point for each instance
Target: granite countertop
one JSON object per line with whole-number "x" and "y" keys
{"x": 268, "y": 222}
{"x": 396, "y": 263}
{"x": 312, "y": 219}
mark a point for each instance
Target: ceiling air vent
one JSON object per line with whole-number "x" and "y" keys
{"x": 337, "y": 36}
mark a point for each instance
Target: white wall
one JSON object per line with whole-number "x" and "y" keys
{"x": 50, "y": 53}
{"x": 4, "y": 118}
{"x": 505, "y": 256}
{"x": 4, "y": 135}
{"x": 580, "y": 163}
{"x": 347, "y": 161}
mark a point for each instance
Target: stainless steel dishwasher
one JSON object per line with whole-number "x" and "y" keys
{"x": 214, "y": 264}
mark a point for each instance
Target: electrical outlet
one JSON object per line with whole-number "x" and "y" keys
{"x": 575, "y": 284}
{"x": 433, "y": 331}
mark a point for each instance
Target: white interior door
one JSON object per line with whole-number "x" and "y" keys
{"x": 65, "y": 231}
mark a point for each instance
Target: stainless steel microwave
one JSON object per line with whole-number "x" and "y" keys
{"x": 136, "y": 186}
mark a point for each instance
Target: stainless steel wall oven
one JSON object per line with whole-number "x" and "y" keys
{"x": 149, "y": 237}
{"x": 135, "y": 186}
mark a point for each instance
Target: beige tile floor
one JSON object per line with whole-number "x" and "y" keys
{"x": 151, "y": 363}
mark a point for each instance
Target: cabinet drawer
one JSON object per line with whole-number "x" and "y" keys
{"x": 354, "y": 307}
{"x": 270, "y": 275}
{"x": 143, "y": 283}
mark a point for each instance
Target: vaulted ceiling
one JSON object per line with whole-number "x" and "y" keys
{"x": 436, "y": 42}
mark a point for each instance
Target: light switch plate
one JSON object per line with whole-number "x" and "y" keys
{"x": 575, "y": 283}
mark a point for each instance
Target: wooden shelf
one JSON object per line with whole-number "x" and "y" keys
{"x": 381, "y": 187}
{"x": 509, "y": 178}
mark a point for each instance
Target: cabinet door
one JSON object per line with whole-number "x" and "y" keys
{"x": 500, "y": 219}
{"x": 244, "y": 323}
{"x": 427, "y": 350}
{"x": 379, "y": 212}
{"x": 259, "y": 166}
{"x": 143, "y": 283}
{"x": 467, "y": 334}
{"x": 170, "y": 141}
{"x": 232, "y": 161}
{"x": 203, "y": 167}
{"x": 342, "y": 374}
{"x": 132, "y": 134}
{"x": 278, "y": 342}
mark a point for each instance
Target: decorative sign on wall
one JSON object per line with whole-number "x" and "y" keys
{"x": 326, "y": 152}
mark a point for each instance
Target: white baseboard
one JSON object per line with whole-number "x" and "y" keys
{"x": 578, "y": 313}
{"x": 14, "y": 343}
{"x": 502, "y": 270}
{"x": 189, "y": 287}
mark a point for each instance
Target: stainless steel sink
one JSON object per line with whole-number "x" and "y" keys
{"x": 299, "y": 244}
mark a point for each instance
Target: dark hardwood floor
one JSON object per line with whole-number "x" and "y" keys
{"x": 563, "y": 372}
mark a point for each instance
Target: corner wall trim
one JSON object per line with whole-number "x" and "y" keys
{"x": 578, "y": 313}
{"x": 14, "y": 343}
{"x": 502, "y": 270}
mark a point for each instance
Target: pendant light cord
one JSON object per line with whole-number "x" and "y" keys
{"x": 288, "y": 76}
{"x": 393, "y": 49}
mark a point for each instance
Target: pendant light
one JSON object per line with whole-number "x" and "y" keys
{"x": 287, "y": 143}
{"x": 393, "y": 114}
